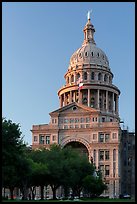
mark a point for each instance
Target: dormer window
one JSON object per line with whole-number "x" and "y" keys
{"x": 67, "y": 79}
{"x": 86, "y": 54}
{"x": 85, "y": 75}
{"x": 72, "y": 78}
{"x": 92, "y": 75}
{"x": 99, "y": 76}
{"x": 80, "y": 55}
{"x": 105, "y": 77}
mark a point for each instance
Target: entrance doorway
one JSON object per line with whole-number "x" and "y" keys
{"x": 78, "y": 146}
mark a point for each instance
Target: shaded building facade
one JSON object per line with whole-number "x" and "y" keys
{"x": 127, "y": 155}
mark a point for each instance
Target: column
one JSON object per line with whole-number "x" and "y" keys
{"x": 111, "y": 164}
{"x": 112, "y": 103}
{"x": 64, "y": 99}
{"x": 91, "y": 154}
{"x": 80, "y": 96}
{"x": 98, "y": 98}
{"x": 106, "y": 100}
{"x": 60, "y": 100}
{"x": 74, "y": 96}
{"x": 69, "y": 79}
{"x": 117, "y": 163}
{"x": 89, "y": 97}
{"x": 88, "y": 77}
{"x": 117, "y": 103}
{"x": 103, "y": 100}
{"x": 74, "y": 77}
{"x": 117, "y": 175}
{"x": 70, "y": 97}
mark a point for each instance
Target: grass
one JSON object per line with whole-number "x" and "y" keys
{"x": 81, "y": 200}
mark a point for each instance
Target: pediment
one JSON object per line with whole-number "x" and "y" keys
{"x": 74, "y": 108}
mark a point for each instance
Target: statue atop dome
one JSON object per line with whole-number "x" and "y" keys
{"x": 88, "y": 14}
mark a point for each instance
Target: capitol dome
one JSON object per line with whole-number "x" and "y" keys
{"x": 89, "y": 53}
{"x": 89, "y": 80}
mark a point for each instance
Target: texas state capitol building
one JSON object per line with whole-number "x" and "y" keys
{"x": 88, "y": 116}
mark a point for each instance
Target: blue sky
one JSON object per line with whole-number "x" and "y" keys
{"x": 38, "y": 39}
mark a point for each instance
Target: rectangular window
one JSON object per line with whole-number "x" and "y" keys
{"x": 60, "y": 120}
{"x": 94, "y": 156}
{"x": 101, "y": 155}
{"x": 41, "y": 139}
{"x": 101, "y": 167}
{"x": 76, "y": 120}
{"x": 52, "y": 120}
{"x": 106, "y": 170}
{"x": 54, "y": 138}
{"x": 82, "y": 120}
{"x": 47, "y": 139}
{"x": 107, "y": 137}
{"x": 96, "y": 119}
{"x": 114, "y": 169}
{"x": 107, "y": 190}
{"x": 94, "y": 136}
{"x": 35, "y": 138}
{"x": 65, "y": 120}
{"x": 103, "y": 119}
{"x": 76, "y": 126}
{"x": 87, "y": 125}
{"x": 71, "y": 120}
{"x": 71, "y": 126}
{"x": 114, "y": 135}
{"x": 55, "y": 120}
{"x": 107, "y": 155}
{"x": 101, "y": 137}
{"x": 65, "y": 127}
{"x": 87, "y": 120}
{"x": 82, "y": 126}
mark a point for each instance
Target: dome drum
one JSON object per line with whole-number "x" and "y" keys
{"x": 89, "y": 66}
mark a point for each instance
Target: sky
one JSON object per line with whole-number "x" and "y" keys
{"x": 38, "y": 39}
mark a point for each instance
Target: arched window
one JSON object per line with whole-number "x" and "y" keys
{"x": 86, "y": 54}
{"x": 99, "y": 76}
{"x": 80, "y": 54}
{"x": 92, "y": 75}
{"x": 77, "y": 76}
{"x": 92, "y": 54}
{"x": 85, "y": 75}
{"x": 85, "y": 101}
{"x": 92, "y": 102}
{"x": 110, "y": 79}
{"x": 72, "y": 78}
{"x": 67, "y": 79}
{"x": 105, "y": 77}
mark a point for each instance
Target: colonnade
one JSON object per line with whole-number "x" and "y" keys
{"x": 90, "y": 76}
{"x": 103, "y": 99}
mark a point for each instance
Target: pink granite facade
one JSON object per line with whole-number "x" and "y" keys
{"x": 88, "y": 114}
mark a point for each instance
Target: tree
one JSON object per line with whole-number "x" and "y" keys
{"x": 93, "y": 186}
{"x": 55, "y": 164}
{"x": 80, "y": 167}
{"x": 12, "y": 148}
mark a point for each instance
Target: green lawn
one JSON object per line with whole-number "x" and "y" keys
{"x": 85, "y": 200}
